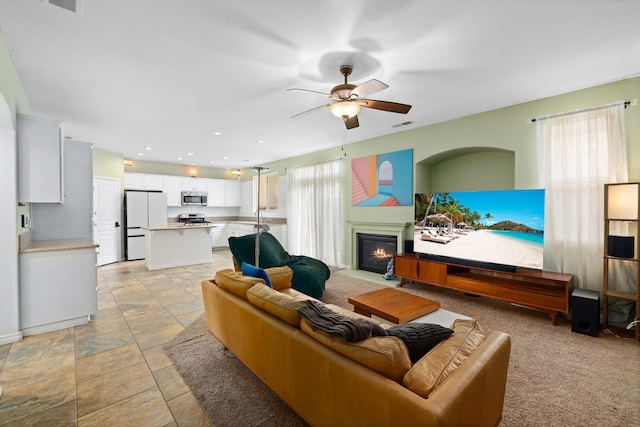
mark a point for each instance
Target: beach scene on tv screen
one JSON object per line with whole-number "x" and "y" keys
{"x": 502, "y": 227}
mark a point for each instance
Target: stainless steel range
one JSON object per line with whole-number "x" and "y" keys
{"x": 192, "y": 218}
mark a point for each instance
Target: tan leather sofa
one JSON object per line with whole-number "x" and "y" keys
{"x": 321, "y": 380}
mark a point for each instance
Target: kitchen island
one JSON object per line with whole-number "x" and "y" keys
{"x": 177, "y": 244}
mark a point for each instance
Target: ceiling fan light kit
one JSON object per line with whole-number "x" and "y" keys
{"x": 347, "y": 99}
{"x": 344, "y": 109}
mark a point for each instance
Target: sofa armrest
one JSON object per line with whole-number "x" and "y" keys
{"x": 476, "y": 387}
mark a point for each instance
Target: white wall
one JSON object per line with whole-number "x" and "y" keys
{"x": 9, "y": 302}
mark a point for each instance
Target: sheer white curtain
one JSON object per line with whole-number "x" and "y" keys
{"x": 313, "y": 212}
{"x": 577, "y": 154}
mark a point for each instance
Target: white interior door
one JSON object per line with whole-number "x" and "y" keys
{"x": 106, "y": 219}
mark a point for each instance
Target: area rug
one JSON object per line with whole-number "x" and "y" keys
{"x": 556, "y": 377}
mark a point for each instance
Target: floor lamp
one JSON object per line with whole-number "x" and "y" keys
{"x": 259, "y": 227}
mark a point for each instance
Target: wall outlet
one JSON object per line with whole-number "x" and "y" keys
{"x": 26, "y": 221}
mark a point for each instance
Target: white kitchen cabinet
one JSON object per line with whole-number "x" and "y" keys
{"x": 153, "y": 182}
{"x": 141, "y": 181}
{"x": 215, "y": 192}
{"x": 133, "y": 181}
{"x": 40, "y": 160}
{"x": 223, "y": 193}
{"x": 219, "y": 236}
{"x": 58, "y": 289}
{"x": 173, "y": 187}
{"x": 236, "y": 229}
{"x": 194, "y": 184}
{"x": 231, "y": 193}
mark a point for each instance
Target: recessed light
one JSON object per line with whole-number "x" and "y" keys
{"x": 226, "y": 157}
{"x": 212, "y": 161}
{"x": 179, "y": 158}
{"x": 140, "y": 154}
{"x": 189, "y": 154}
{"x": 216, "y": 133}
{"x": 260, "y": 141}
{"x": 147, "y": 148}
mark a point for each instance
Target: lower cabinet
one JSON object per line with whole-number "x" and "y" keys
{"x": 58, "y": 289}
{"x": 237, "y": 229}
{"x": 219, "y": 236}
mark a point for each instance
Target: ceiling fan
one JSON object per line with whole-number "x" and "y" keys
{"x": 347, "y": 99}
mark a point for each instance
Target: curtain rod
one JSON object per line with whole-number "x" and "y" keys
{"x": 584, "y": 110}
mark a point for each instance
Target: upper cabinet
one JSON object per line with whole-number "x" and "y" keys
{"x": 141, "y": 181}
{"x": 220, "y": 192}
{"x": 194, "y": 184}
{"x": 232, "y": 193}
{"x": 172, "y": 185}
{"x": 40, "y": 160}
{"x": 223, "y": 192}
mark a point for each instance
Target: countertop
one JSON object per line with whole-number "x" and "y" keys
{"x": 173, "y": 226}
{"x": 30, "y": 246}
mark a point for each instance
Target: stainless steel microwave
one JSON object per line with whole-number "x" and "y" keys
{"x": 194, "y": 198}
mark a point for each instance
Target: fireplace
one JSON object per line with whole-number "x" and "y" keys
{"x": 375, "y": 251}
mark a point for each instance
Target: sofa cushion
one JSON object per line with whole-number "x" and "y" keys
{"x": 419, "y": 337}
{"x": 284, "y": 307}
{"x": 253, "y": 271}
{"x": 386, "y": 355}
{"x": 441, "y": 362}
{"x": 235, "y": 282}
{"x": 280, "y": 277}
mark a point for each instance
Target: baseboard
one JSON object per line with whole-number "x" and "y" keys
{"x": 41, "y": 329}
{"x": 10, "y": 338}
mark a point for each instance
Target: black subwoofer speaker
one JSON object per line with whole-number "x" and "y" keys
{"x": 585, "y": 312}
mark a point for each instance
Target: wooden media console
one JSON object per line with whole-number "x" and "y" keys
{"x": 537, "y": 289}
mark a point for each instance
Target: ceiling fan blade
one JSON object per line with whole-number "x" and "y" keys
{"x": 351, "y": 122}
{"x": 304, "y": 113}
{"x": 312, "y": 92}
{"x": 393, "y": 107}
{"x": 368, "y": 88}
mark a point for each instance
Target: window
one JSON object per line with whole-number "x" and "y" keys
{"x": 268, "y": 189}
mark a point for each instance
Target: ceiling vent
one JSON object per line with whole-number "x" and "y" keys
{"x": 402, "y": 124}
{"x": 74, "y": 6}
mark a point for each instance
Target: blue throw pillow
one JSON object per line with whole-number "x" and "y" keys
{"x": 253, "y": 271}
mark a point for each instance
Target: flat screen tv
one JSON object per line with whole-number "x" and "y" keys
{"x": 498, "y": 230}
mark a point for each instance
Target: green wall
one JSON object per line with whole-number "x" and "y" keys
{"x": 160, "y": 168}
{"x": 453, "y": 152}
{"x": 107, "y": 164}
{"x": 495, "y": 168}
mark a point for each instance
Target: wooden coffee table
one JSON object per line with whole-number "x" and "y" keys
{"x": 392, "y": 305}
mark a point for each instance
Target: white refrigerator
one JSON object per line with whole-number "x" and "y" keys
{"x": 142, "y": 209}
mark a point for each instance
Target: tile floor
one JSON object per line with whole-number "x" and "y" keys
{"x": 111, "y": 371}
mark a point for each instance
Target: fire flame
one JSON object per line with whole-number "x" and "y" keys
{"x": 380, "y": 253}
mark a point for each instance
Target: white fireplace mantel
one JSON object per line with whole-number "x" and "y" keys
{"x": 386, "y": 228}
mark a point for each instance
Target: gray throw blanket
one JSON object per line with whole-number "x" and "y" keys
{"x": 337, "y": 325}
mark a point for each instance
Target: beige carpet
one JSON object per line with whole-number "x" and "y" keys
{"x": 556, "y": 377}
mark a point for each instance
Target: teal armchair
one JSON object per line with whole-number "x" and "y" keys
{"x": 309, "y": 274}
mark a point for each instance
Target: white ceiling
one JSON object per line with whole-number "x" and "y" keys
{"x": 167, "y": 74}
